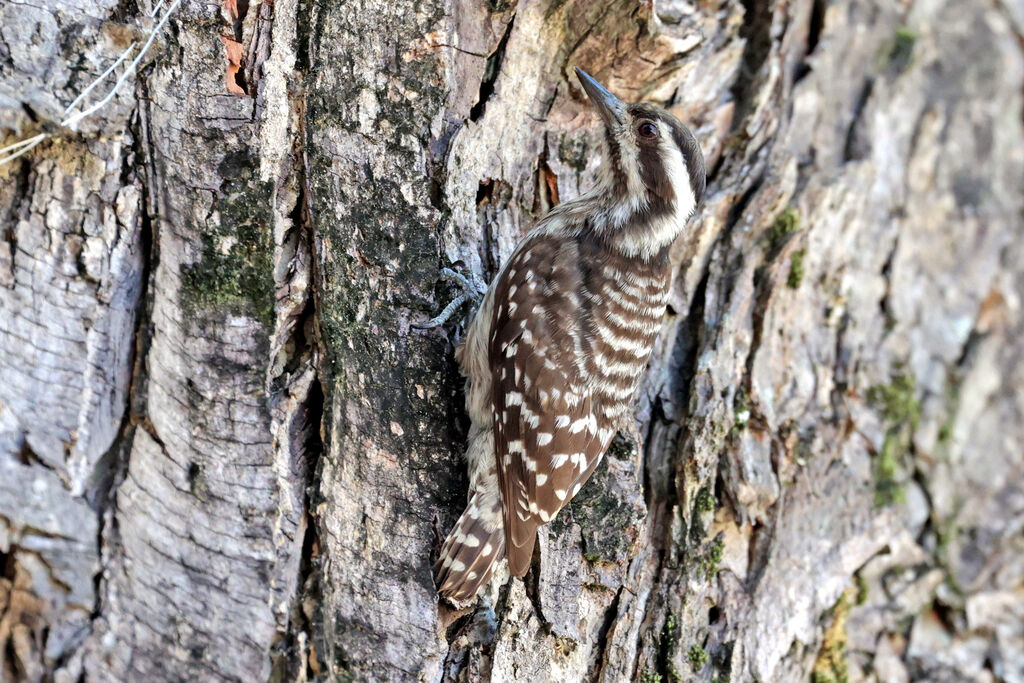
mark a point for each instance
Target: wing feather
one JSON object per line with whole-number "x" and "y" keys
{"x": 544, "y": 419}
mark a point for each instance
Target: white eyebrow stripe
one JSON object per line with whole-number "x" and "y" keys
{"x": 679, "y": 176}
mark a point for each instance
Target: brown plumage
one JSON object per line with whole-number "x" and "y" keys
{"x": 560, "y": 343}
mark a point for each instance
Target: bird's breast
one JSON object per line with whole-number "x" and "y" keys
{"x": 626, "y": 304}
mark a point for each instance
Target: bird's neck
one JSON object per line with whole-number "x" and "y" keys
{"x": 642, "y": 227}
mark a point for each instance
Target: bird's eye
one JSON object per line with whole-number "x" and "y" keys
{"x": 647, "y": 130}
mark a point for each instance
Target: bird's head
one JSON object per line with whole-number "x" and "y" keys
{"x": 654, "y": 176}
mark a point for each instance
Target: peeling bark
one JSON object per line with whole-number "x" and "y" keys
{"x": 226, "y": 454}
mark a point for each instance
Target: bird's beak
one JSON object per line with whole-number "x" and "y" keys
{"x": 611, "y": 108}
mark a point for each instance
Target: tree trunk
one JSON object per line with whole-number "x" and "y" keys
{"x": 225, "y": 454}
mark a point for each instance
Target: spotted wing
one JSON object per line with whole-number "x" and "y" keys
{"x": 546, "y": 431}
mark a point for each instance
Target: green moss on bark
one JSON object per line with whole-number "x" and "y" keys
{"x": 787, "y": 223}
{"x": 698, "y": 657}
{"x": 705, "y": 501}
{"x": 831, "y": 665}
{"x": 796, "y": 269}
{"x": 234, "y": 273}
{"x": 901, "y": 411}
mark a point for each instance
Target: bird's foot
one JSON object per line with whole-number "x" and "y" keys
{"x": 473, "y": 291}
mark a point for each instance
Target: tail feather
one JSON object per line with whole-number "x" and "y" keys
{"x": 469, "y": 554}
{"x": 520, "y": 557}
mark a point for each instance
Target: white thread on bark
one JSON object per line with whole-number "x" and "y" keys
{"x": 17, "y": 149}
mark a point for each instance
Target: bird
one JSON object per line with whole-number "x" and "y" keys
{"x": 560, "y": 342}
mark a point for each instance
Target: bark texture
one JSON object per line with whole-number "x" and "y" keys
{"x": 225, "y": 454}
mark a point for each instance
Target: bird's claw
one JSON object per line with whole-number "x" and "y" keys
{"x": 472, "y": 290}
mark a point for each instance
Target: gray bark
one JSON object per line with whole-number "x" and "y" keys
{"x": 226, "y": 455}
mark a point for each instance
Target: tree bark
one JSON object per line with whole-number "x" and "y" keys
{"x": 225, "y": 454}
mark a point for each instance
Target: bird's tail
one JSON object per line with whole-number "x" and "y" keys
{"x": 470, "y": 553}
